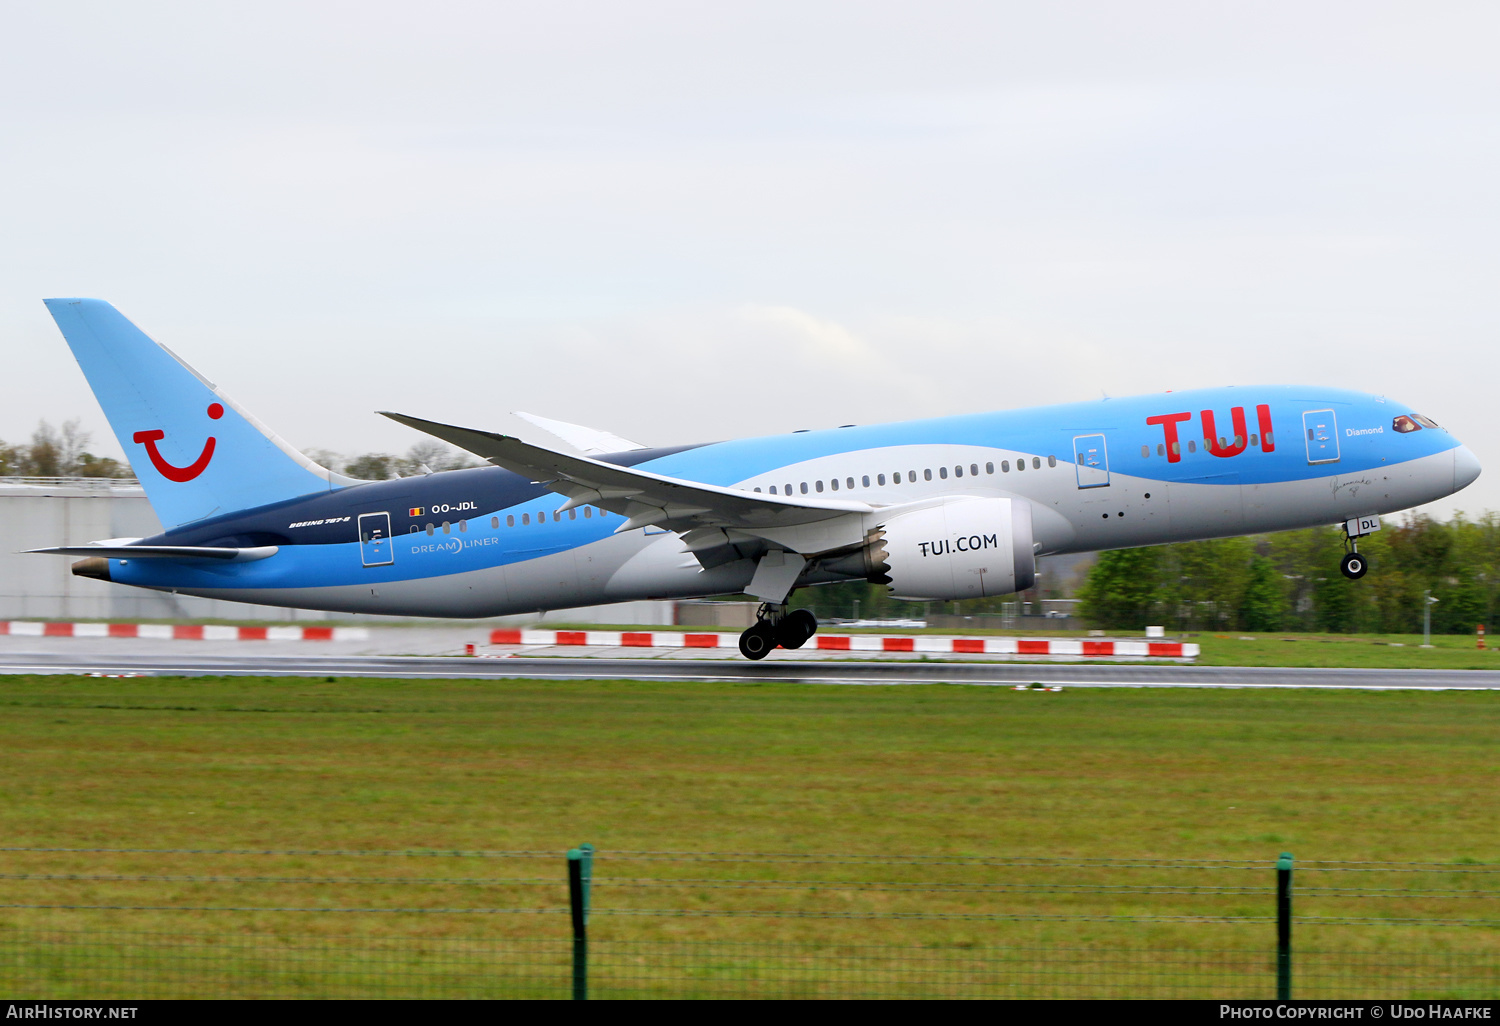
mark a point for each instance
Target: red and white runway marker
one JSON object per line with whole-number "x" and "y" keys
{"x": 916, "y": 643}
{"x": 179, "y": 632}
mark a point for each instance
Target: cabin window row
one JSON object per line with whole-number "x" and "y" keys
{"x": 910, "y": 477}
{"x": 510, "y": 520}
{"x": 1236, "y": 442}
{"x": 817, "y": 486}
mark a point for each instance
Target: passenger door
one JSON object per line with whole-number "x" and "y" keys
{"x": 1321, "y": 428}
{"x": 375, "y": 539}
{"x": 1091, "y": 458}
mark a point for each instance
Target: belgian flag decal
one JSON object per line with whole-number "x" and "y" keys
{"x": 415, "y": 511}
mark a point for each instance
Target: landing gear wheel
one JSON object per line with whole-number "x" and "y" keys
{"x": 795, "y": 630}
{"x": 757, "y": 641}
{"x": 1353, "y": 565}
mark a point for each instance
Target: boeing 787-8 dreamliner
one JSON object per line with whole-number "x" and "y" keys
{"x": 950, "y": 508}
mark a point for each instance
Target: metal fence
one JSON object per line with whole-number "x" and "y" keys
{"x": 98, "y": 484}
{"x": 114, "y": 923}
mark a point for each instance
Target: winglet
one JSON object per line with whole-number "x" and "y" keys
{"x": 585, "y": 439}
{"x": 487, "y": 444}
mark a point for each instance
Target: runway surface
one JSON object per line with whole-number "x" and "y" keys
{"x": 188, "y": 664}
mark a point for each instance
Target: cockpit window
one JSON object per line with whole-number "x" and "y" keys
{"x": 1405, "y": 425}
{"x": 1424, "y": 421}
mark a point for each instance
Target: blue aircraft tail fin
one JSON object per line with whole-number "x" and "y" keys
{"x": 195, "y": 451}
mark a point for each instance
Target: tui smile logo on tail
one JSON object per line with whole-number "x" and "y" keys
{"x": 167, "y": 470}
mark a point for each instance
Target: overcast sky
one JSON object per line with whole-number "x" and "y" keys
{"x": 688, "y": 221}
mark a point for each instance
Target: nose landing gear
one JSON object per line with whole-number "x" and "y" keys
{"x": 774, "y": 626}
{"x": 1353, "y": 565}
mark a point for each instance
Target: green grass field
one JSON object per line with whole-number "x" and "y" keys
{"x": 279, "y": 763}
{"x": 1394, "y": 651}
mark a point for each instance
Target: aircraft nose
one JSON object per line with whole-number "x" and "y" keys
{"x": 1465, "y": 467}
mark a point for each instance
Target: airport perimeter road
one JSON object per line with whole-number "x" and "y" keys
{"x": 998, "y": 674}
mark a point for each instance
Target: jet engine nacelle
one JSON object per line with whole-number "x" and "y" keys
{"x": 962, "y": 548}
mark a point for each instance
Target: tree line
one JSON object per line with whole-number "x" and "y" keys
{"x": 425, "y": 457}
{"x": 1288, "y": 581}
{"x": 1291, "y": 581}
{"x": 58, "y": 452}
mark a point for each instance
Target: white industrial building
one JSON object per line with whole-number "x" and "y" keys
{"x": 38, "y": 511}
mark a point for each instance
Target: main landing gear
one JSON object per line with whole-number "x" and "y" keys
{"x": 774, "y": 626}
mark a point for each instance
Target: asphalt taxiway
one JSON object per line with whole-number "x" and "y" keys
{"x": 187, "y": 663}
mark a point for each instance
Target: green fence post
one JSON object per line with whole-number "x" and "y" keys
{"x": 1284, "y": 927}
{"x": 580, "y": 872}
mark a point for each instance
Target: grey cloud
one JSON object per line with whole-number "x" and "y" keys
{"x": 571, "y": 207}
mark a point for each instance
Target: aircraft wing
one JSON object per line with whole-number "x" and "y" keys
{"x": 646, "y": 499}
{"x": 584, "y": 439}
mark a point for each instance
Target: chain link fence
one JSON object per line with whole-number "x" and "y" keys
{"x": 171, "y": 923}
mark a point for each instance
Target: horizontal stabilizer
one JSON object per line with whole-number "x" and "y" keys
{"x": 221, "y": 553}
